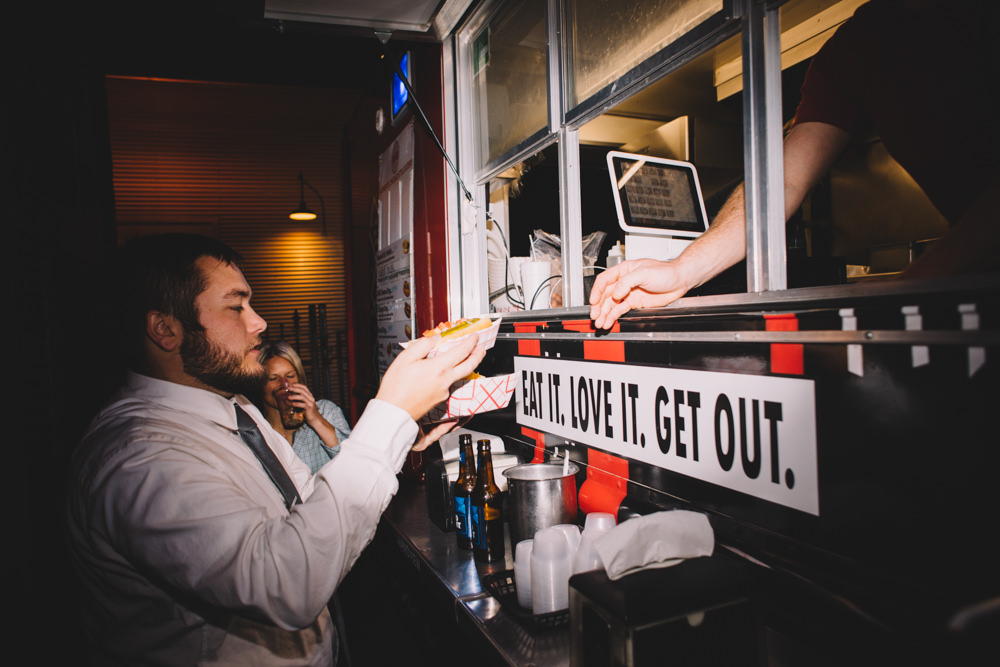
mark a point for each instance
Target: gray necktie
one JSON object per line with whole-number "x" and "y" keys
{"x": 272, "y": 466}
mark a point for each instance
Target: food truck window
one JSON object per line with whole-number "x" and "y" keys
{"x": 681, "y": 117}
{"x": 665, "y": 79}
{"x": 510, "y": 93}
{"x": 524, "y": 209}
{"x": 866, "y": 217}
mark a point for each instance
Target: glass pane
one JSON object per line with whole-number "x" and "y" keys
{"x": 607, "y": 38}
{"x": 509, "y": 67}
{"x": 524, "y": 206}
{"x": 679, "y": 117}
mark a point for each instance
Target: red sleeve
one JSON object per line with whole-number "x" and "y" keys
{"x": 827, "y": 91}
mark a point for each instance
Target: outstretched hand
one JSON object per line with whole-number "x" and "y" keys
{"x": 416, "y": 384}
{"x": 428, "y": 438}
{"x": 637, "y": 283}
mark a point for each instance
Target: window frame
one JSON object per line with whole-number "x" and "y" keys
{"x": 758, "y": 23}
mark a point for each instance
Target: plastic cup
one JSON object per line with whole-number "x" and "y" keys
{"x": 549, "y": 571}
{"x": 572, "y": 534}
{"x": 522, "y": 572}
{"x": 598, "y": 523}
{"x": 595, "y": 525}
{"x": 587, "y": 558}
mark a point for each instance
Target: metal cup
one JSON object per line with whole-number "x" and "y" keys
{"x": 540, "y": 495}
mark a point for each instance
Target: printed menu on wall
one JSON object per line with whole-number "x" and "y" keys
{"x": 395, "y": 319}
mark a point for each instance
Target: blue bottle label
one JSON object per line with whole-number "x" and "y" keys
{"x": 462, "y": 517}
{"x": 474, "y": 522}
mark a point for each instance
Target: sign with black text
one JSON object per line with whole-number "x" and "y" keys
{"x": 750, "y": 433}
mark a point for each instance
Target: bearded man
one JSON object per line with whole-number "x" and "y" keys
{"x": 198, "y": 535}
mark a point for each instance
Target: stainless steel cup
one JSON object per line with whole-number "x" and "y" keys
{"x": 539, "y": 495}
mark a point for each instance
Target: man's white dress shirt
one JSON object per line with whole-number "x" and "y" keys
{"x": 185, "y": 551}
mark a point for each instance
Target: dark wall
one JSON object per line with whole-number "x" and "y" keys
{"x": 59, "y": 229}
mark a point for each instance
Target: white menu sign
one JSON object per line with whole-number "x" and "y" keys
{"x": 753, "y": 434}
{"x": 393, "y": 300}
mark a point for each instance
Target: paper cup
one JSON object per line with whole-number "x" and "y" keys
{"x": 537, "y": 287}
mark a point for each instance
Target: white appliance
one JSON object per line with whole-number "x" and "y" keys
{"x": 659, "y": 203}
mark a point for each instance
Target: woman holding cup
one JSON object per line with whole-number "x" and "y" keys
{"x": 313, "y": 427}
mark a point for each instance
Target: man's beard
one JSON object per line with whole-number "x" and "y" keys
{"x": 217, "y": 368}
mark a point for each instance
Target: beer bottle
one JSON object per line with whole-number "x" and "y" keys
{"x": 487, "y": 517}
{"x": 463, "y": 490}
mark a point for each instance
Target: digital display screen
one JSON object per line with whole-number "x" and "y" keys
{"x": 659, "y": 195}
{"x": 400, "y": 95}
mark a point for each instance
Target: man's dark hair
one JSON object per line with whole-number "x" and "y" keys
{"x": 158, "y": 272}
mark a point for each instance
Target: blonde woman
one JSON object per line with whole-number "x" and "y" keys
{"x": 314, "y": 428}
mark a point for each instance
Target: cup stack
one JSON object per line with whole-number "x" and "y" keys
{"x": 522, "y": 572}
{"x": 586, "y": 558}
{"x": 549, "y": 571}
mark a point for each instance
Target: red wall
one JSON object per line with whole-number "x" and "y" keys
{"x": 362, "y": 148}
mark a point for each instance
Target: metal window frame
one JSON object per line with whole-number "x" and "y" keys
{"x": 759, "y": 24}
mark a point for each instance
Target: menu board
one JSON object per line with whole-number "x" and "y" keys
{"x": 394, "y": 316}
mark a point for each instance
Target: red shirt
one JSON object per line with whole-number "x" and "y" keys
{"x": 922, "y": 79}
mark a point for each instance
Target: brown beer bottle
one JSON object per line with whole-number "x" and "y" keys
{"x": 464, "y": 485}
{"x": 487, "y": 516}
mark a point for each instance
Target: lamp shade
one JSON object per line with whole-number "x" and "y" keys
{"x": 302, "y": 212}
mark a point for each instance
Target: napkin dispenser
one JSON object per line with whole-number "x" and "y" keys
{"x": 697, "y": 612}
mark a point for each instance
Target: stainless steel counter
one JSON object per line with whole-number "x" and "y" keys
{"x": 456, "y": 576}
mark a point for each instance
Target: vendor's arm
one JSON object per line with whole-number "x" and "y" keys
{"x": 809, "y": 150}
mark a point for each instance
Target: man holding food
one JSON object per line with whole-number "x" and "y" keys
{"x": 198, "y": 535}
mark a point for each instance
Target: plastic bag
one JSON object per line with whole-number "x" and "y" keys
{"x": 546, "y": 246}
{"x": 549, "y": 246}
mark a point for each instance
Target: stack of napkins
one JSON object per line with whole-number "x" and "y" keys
{"x": 655, "y": 540}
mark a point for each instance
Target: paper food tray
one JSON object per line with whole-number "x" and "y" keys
{"x": 471, "y": 397}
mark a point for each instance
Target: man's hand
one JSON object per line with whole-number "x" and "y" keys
{"x": 637, "y": 283}
{"x": 416, "y": 384}
{"x": 428, "y": 438}
{"x": 809, "y": 150}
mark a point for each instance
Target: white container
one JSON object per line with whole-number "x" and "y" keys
{"x": 549, "y": 571}
{"x": 616, "y": 254}
{"x": 572, "y": 534}
{"x": 522, "y": 572}
{"x": 595, "y": 525}
{"x": 586, "y": 558}
{"x": 598, "y": 523}
{"x": 537, "y": 286}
